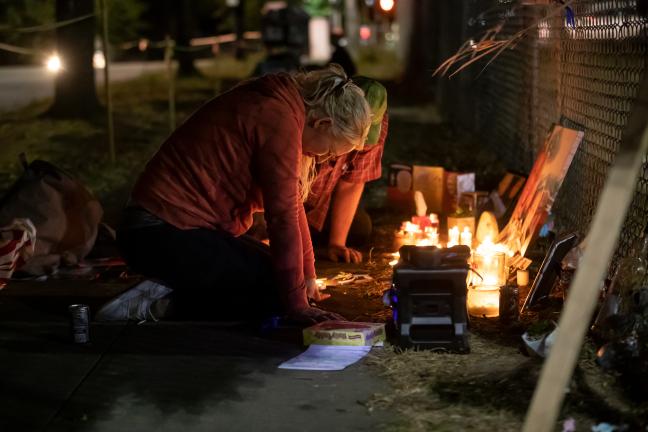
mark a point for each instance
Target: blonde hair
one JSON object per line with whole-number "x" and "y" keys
{"x": 307, "y": 177}
{"x": 330, "y": 93}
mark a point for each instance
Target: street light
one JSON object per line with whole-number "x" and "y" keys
{"x": 98, "y": 60}
{"x": 387, "y": 5}
{"x": 54, "y": 64}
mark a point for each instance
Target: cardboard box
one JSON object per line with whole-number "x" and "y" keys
{"x": 344, "y": 333}
{"x": 462, "y": 222}
{"x": 430, "y": 181}
{"x": 400, "y": 176}
{"x": 475, "y": 202}
{"x": 399, "y": 187}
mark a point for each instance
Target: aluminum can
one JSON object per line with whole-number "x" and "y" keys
{"x": 80, "y": 323}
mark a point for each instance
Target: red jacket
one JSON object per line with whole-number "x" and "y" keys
{"x": 239, "y": 153}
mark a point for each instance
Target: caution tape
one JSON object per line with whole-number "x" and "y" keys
{"x": 47, "y": 27}
{"x": 19, "y": 50}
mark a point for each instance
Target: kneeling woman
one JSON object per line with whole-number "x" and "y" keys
{"x": 248, "y": 150}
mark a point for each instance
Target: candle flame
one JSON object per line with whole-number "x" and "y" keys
{"x": 487, "y": 247}
{"x": 414, "y": 235}
{"x": 410, "y": 227}
{"x": 485, "y": 263}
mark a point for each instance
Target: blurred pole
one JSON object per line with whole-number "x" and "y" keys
{"x": 109, "y": 108}
{"x": 239, "y": 26}
{"x": 404, "y": 18}
{"x": 423, "y": 48}
{"x": 184, "y": 29}
{"x": 75, "y": 91}
{"x": 352, "y": 25}
{"x": 168, "y": 62}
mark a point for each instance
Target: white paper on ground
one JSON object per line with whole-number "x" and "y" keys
{"x": 326, "y": 357}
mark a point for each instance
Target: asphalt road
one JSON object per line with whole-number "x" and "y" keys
{"x": 20, "y": 85}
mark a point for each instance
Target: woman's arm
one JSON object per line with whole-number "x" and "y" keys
{"x": 307, "y": 245}
{"x": 279, "y": 180}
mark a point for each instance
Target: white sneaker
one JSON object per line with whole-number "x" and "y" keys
{"x": 134, "y": 304}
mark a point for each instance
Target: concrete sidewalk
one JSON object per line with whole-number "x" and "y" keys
{"x": 164, "y": 376}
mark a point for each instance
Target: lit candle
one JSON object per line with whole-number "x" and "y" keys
{"x": 490, "y": 268}
{"x": 483, "y": 301}
{"x": 433, "y": 236}
{"x": 424, "y": 242}
{"x": 411, "y": 228}
{"x": 466, "y": 237}
{"x": 523, "y": 277}
{"x": 453, "y": 236}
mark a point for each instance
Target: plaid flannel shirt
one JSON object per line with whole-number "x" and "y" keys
{"x": 354, "y": 167}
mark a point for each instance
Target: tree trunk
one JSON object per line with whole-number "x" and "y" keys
{"x": 352, "y": 24}
{"x": 239, "y": 29}
{"x": 184, "y": 33}
{"x": 74, "y": 87}
{"x": 423, "y": 49}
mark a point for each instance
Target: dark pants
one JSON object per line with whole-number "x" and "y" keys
{"x": 213, "y": 274}
{"x": 359, "y": 232}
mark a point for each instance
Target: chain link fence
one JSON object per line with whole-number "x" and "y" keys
{"x": 585, "y": 76}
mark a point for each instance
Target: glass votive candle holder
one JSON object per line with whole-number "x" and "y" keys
{"x": 483, "y": 301}
{"x": 489, "y": 269}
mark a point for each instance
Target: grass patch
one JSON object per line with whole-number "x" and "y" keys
{"x": 141, "y": 124}
{"x": 491, "y": 389}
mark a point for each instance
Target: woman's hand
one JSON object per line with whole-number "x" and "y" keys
{"x": 337, "y": 253}
{"x": 313, "y": 290}
{"x": 313, "y": 315}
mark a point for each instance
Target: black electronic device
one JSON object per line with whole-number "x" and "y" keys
{"x": 549, "y": 270}
{"x": 285, "y": 27}
{"x": 428, "y": 298}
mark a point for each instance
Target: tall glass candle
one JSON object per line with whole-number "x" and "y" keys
{"x": 466, "y": 237}
{"x": 453, "y": 236}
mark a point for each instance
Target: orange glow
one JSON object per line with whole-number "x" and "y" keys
{"x": 483, "y": 301}
{"x": 412, "y": 234}
{"x": 453, "y": 236}
{"x": 466, "y": 237}
{"x": 489, "y": 263}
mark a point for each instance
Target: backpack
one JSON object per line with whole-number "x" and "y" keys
{"x": 66, "y": 215}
